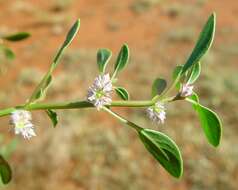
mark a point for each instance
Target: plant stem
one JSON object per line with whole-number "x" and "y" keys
{"x": 73, "y": 105}
{"x": 123, "y": 120}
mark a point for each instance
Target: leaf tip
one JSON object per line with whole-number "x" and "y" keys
{"x": 213, "y": 15}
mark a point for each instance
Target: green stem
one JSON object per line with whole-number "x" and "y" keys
{"x": 73, "y": 105}
{"x": 144, "y": 103}
{"x": 123, "y": 120}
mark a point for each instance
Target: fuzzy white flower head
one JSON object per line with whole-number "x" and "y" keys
{"x": 187, "y": 90}
{"x": 21, "y": 119}
{"x": 99, "y": 94}
{"x": 157, "y": 113}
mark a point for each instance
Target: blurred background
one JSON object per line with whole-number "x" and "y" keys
{"x": 89, "y": 150}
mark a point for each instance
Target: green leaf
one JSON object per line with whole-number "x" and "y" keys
{"x": 211, "y": 124}
{"x": 195, "y": 72}
{"x": 122, "y": 58}
{"x": 5, "y": 171}
{"x": 103, "y": 57}
{"x": 122, "y": 93}
{"x": 158, "y": 86}
{"x": 41, "y": 89}
{"x": 209, "y": 120}
{"x": 164, "y": 150}
{"x": 53, "y": 117}
{"x": 203, "y": 44}
{"x": 17, "y": 36}
{"x": 9, "y": 53}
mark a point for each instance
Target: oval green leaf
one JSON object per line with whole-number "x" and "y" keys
{"x": 211, "y": 124}
{"x": 209, "y": 120}
{"x": 158, "y": 86}
{"x": 17, "y": 36}
{"x": 203, "y": 44}
{"x": 122, "y": 93}
{"x": 122, "y": 59}
{"x": 164, "y": 150}
{"x": 103, "y": 57}
{"x": 5, "y": 171}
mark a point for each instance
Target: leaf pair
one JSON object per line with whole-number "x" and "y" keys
{"x": 104, "y": 55}
{"x": 201, "y": 48}
{"x": 210, "y": 121}
{"x": 189, "y": 77}
{"x": 193, "y": 63}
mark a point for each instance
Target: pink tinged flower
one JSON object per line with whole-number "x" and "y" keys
{"x": 187, "y": 90}
{"x": 99, "y": 94}
{"x": 21, "y": 119}
{"x": 157, "y": 113}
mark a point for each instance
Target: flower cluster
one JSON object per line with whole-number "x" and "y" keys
{"x": 99, "y": 94}
{"x": 157, "y": 113}
{"x": 21, "y": 120}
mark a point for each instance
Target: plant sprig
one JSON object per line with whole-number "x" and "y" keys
{"x": 161, "y": 146}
